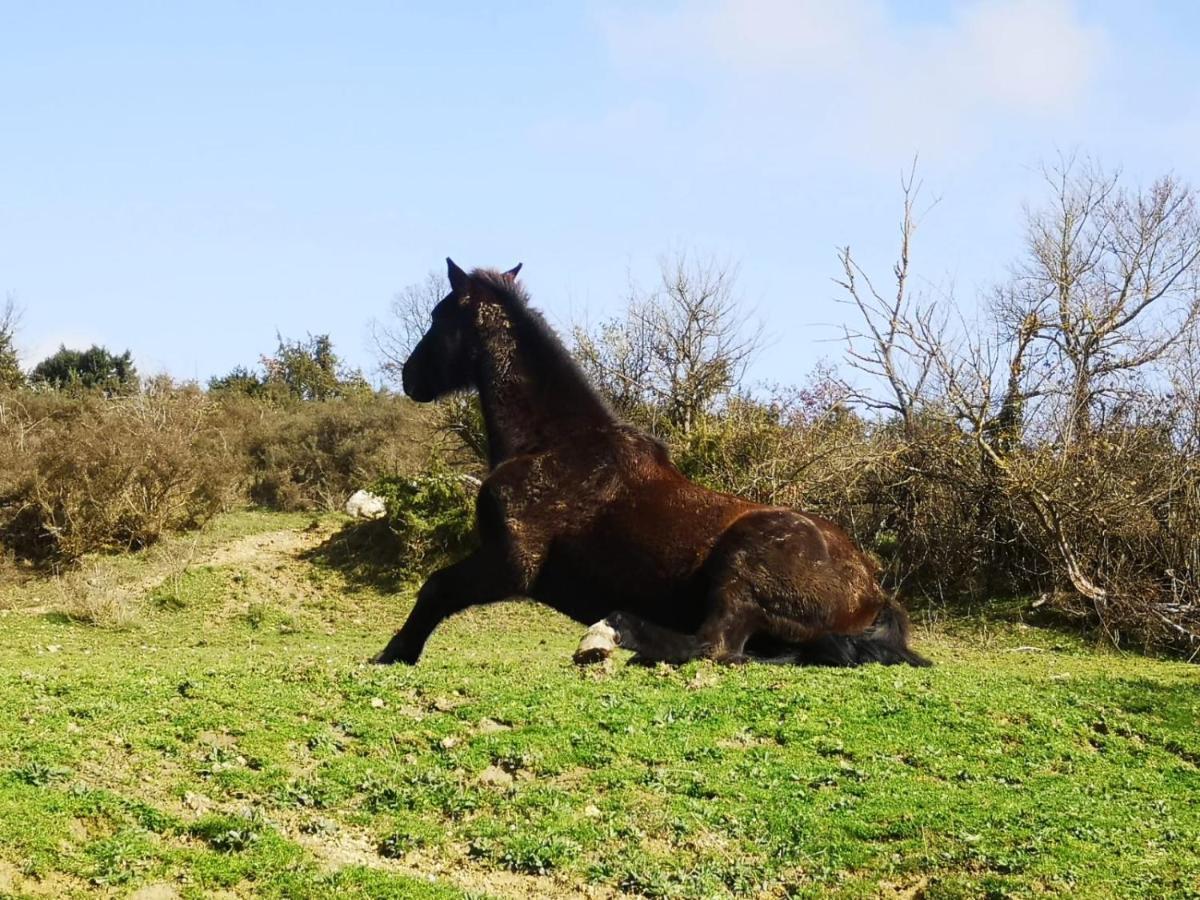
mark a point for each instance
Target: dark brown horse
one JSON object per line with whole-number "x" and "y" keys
{"x": 588, "y": 515}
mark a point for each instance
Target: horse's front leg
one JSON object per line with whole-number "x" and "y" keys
{"x": 480, "y": 578}
{"x": 721, "y": 636}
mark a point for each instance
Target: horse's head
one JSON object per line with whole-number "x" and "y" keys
{"x": 444, "y": 359}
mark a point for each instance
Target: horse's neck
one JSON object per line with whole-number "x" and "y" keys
{"x": 531, "y": 396}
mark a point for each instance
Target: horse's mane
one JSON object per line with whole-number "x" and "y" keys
{"x": 544, "y": 348}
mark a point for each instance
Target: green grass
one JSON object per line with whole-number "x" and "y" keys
{"x": 233, "y": 739}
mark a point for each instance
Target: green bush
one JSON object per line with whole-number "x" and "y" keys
{"x": 432, "y": 516}
{"x": 299, "y": 369}
{"x": 96, "y": 367}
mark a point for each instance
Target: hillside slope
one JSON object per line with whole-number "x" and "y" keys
{"x": 230, "y": 740}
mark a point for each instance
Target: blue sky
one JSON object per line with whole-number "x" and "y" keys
{"x": 183, "y": 180}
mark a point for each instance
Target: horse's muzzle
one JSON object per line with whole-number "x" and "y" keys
{"x": 415, "y": 387}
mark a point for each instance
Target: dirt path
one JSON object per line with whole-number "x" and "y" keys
{"x": 265, "y": 552}
{"x": 261, "y": 548}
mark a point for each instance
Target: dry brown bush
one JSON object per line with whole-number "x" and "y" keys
{"x": 1051, "y": 444}
{"x": 1129, "y": 502}
{"x": 86, "y": 472}
{"x": 313, "y": 455}
{"x": 93, "y": 594}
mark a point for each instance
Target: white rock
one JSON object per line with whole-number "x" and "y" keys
{"x": 365, "y": 505}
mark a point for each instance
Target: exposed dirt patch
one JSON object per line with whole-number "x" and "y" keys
{"x": 912, "y": 890}
{"x": 744, "y": 740}
{"x": 15, "y": 883}
{"x": 341, "y": 846}
{"x": 262, "y": 549}
{"x": 158, "y": 891}
{"x": 271, "y": 552}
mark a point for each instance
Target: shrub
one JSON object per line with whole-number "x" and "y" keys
{"x": 88, "y": 472}
{"x": 431, "y": 514}
{"x": 11, "y": 375}
{"x": 312, "y": 455}
{"x": 93, "y": 595}
{"x": 96, "y": 367}
{"x": 299, "y": 369}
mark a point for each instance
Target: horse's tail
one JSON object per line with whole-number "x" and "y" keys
{"x": 885, "y": 641}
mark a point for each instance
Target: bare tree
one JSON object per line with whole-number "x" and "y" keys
{"x": 978, "y": 376}
{"x": 1111, "y": 282}
{"x": 458, "y": 416}
{"x": 982, "y": 382}
{"x": 618, "y": 358}
{"x": 680, "y": 348}
{"x": 1184, "y": 375}
{"x": 883, "y": 346}
{"x": 407, "y": 319}
{"x": 1107, "y": 291}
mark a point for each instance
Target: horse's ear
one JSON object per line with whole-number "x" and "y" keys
{"x": 511, "y": 274}
{"x": 458, "y": 278}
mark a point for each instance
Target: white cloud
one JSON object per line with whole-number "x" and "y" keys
{"x": 1029, "y": 55}
{"x": 853, "y": 68}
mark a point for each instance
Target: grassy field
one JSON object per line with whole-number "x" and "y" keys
{"x": 228, "y": 739}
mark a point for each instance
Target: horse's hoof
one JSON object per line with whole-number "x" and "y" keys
{"x": 597, "y": 645}
{"x": 388, "y": 657}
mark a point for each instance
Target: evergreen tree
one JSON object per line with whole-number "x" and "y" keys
{"x": 96, "y": 367}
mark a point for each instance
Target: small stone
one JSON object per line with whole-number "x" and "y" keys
{"x": 448, "y": 743}
{"x": 491, "y": 726}
{"x": 53, "y": 648}
{"x": 591, "y": 811}
{"x": 377, "y": 703}
{"x": 197, "y": 802}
